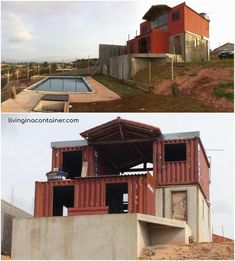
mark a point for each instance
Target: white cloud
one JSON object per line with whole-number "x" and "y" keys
{"x": 15, "y": 29}
{"x": 22, "y": 36}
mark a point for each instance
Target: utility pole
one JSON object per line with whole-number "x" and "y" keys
{"x": 223, "y": 232}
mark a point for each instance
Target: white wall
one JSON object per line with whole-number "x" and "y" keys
{"x": 200, "y": 226}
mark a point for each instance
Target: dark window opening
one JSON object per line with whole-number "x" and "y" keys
{"x": 63, "y": 196}
{"x": 117, "y": 197}
{"x": 175, "y": 152}
{"x": 177, "y": 44}
{"x": 132, "y": 47}
{"x": 176, "y": 16}
{"x": 72, "y": 163}
{"x": 144, "y": 45}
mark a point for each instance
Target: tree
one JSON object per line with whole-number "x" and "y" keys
{"x": 45, "y": 64}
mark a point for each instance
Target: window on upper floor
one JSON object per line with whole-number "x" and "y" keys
{"x": 176, "y": 16}
{"x": 160, "y": 23}
{"x": 175, "y": 152}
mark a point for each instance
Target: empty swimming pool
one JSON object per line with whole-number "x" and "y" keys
{"x": 62, "y": 84}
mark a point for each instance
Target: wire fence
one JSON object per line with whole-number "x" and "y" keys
{"x": 22, "y": 76}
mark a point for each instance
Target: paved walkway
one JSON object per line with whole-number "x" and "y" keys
{"x": 27, "y": 100}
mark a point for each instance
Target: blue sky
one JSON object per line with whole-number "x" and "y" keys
{"x": 64, "y": 30}
{"x": 26, "y": 153}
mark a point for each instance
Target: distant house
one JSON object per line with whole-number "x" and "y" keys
{"x": 224, "y": 47}
{"x": 179, "y": 30}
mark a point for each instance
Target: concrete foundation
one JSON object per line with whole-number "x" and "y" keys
{"x": 126, "y": 66}
{"x": 111, "y": 236}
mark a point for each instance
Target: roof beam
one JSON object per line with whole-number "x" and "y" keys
{"x": 113, "y": 142}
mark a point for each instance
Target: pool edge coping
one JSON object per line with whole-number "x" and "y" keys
{"x": 31, "y": 89}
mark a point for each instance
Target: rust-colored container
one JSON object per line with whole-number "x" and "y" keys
{"x": 87, "y": 155}
{"x": 90, "y": 194}
{"x": 194, "y": 168}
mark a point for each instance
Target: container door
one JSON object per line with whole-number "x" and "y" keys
{"x": 179, "y": 205}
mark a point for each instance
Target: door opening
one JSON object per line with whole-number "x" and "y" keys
{"x": 177, "y": 44}
{"x": 179, "y": 205}
{"x": 63, "y": 196}
{"x": 117, "y": 197}
{"x": 72, "y": 163}
{"x": 145, "y": 45}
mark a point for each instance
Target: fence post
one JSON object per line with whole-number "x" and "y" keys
{"x": 13, "y": 92}
{"x": 38, "y": 69}
{"x": 150, "y": 72}
{"x": 27, "y": 71}
{"x": 8, "y": 76}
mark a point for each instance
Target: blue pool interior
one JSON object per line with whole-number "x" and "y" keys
{"x": 63, "y": 84}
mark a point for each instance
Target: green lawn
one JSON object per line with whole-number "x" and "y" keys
{"x": 134, "y": 100}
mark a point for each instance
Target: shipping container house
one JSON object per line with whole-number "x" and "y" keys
{"x": 118, "y": 168}
{"x": 178, "y": 30}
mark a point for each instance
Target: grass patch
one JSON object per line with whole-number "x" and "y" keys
{"x": 115, "y": 85}
{"x": 214, "y": 62}
{"x": 134, "y": 100}
{"x": 193, "y": 74}
{"x": 225, "y": 90}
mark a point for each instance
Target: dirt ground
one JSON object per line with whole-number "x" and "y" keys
{"x": 199, "y": 84}
{"x": 3, "y": 257}
{"x": 202, "y": 251}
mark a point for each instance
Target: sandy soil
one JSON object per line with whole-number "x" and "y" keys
{"x": 202, "y": 251}
{"x": 199, "y": 84}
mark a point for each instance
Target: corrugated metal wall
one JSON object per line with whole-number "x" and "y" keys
{"x": 91, "y": 192}
{"x": 159, "y": 41}
{"x": 203, "y": 178}
{"x": 88, "y": 156}
{"x": 194, "y": 23}
{"x": 181, "y": 172}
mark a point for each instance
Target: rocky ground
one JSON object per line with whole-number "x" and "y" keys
{"x": 200, "y": 251}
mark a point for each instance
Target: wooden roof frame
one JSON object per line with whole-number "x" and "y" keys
{"x": 122, "y": 142}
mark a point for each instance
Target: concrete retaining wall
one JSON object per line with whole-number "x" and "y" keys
{"x": 126, "y": 66}
{"x": 120, "y": 67}
{"x": 110, "y": 236}
{"x": 8, "y": 212}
